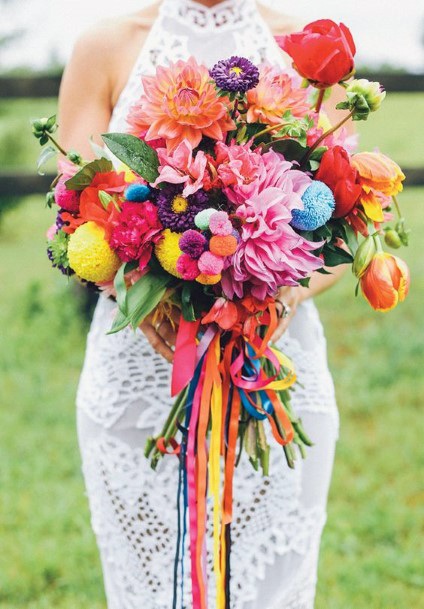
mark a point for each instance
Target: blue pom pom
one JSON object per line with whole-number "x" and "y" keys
{"x": 319, "y": 203}
{"x": 138, "y": 193}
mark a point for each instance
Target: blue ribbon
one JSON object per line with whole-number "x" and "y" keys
{"x": 252, "y": 368}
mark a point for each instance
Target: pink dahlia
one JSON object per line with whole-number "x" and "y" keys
{"x": 271, "y": 254}
{"x": 137, "y": 230}
{"x": 274, "y": 95}
{"x": 182, "y": 167}
{"x": 181, "y": 102}
{"x": 240, "y": 169}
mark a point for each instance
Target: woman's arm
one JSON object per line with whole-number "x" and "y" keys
{"x": 93, "y": 79}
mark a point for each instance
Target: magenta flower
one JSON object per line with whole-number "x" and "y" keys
{"x": 138, "y": 229}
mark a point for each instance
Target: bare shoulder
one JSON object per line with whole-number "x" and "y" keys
{"x": 105, "y": 54}
{"x": 281, "y": 23}
{"x": 110, "y": 37}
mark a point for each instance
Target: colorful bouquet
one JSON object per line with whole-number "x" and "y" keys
{"x": 233, "y": 184}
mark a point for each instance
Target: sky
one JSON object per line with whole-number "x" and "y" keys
{"x": 386, "y": 31}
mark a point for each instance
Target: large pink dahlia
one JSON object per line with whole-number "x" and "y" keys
{"x": 180, "y": 102}
{"x": 271, "y": 254}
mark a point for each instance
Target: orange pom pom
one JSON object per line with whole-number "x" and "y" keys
{"x": 223, "y": 246}
{"x": 208, "y": 279}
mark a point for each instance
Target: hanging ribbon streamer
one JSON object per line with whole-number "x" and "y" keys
{"x": 225, "y": 374}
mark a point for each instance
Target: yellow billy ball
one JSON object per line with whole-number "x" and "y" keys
{"x": 90, "y": 255}
{"x": 168, "y": 251}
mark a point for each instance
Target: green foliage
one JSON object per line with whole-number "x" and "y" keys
{"x": 59, "y": 249}
{"x": 85, "y": 176}
{"x": 135, "y": 153}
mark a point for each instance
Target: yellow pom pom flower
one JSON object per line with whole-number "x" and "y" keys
{"x": 90, "y": 255}
{"x": 168, "y": 251}
{"x": 208, "y": 279}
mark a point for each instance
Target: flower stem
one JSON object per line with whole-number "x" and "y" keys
{"x": 269, "y": 129}
{"x": 58, "y": 146}
{"x": 320, "y": 99}
{"x": 323, "y": 137}
{"x": 397, "y": 206}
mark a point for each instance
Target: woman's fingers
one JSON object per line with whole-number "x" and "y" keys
{"x": 167, "y": 332}
{"x": 157, "y": 342}
{"x": 281, "y": 328}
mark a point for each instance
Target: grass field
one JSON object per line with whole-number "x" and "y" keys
{"x": 372, "y": 546}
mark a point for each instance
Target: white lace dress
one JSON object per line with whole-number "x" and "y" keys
{"x": 124, "y": 396}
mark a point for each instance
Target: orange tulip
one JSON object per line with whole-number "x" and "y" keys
{"x": 386, "y": 281}
{"x": 379, "y": 175}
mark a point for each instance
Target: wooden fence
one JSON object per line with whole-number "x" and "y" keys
{"x": 21, "y": 184}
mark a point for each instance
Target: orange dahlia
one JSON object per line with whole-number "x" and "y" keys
{"x": 181, "y": 102}
{"x": 273, "y": 96}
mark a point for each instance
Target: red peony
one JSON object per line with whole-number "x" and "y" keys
{"x": 323, "y": 52}
{"x": 337, "y": 172}
{"x": 137, "y": 230}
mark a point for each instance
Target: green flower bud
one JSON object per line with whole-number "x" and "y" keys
{"x": 363, "y": 97}
{"x": 371, "y": 92}
{"x": 365, "y": 253}
{"x": 74, "y": 157}
{"x": 392, "y": 238}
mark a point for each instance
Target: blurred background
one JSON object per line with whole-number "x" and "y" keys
{"x": 372, "y": 546}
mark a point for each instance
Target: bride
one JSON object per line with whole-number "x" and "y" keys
{"x": 124, "y": 392}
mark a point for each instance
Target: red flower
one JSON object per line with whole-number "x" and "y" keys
{"x": 323, "y": 52}
{"x": 138, "y": 228}
{"x": 337, "y": 172}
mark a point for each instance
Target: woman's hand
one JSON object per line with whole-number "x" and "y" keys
{"x": 163, "y": 335}
{"x": 292, "y": 297}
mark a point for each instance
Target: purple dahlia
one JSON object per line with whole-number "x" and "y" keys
{"x": 236, "y": 75}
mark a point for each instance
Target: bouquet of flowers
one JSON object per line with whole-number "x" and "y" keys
{"x": 232, "y": 184}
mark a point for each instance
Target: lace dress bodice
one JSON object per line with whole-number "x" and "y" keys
{"x": 124, "y": 396}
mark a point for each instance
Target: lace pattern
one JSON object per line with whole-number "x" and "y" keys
{"x": 123, "y": 397}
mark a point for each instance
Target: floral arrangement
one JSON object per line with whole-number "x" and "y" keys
{"x": 233, "y": 184}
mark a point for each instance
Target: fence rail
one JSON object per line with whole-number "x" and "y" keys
{"x": 21, "y": 184}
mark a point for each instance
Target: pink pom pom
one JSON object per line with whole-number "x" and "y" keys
{"x": 209, "y": 264}
{"x": 219, "y": 224}
{"x": 187, "y": 267}
{"x": 51, "y": 232}
{"x": 66, "y": 199}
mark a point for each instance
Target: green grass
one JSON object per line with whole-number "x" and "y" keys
{"x": 372, "y": 543}
{"x": 370, "y": 552}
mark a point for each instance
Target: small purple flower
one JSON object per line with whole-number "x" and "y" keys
{"x": 236, "y": 75}
{"x": 59, "y": 222}
{"x": 177, "y": 212}
{"x": 193, "y": 243}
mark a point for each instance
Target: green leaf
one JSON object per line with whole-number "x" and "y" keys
{"x": 291, "y": 149}
{"x": 145, "y": 295}
{"x": 305, "y": 282}
{"x": 141, "y": 299}
{"x": 121, "y": 286}
{"x": 135, "y": 153}
{"x": 350, "y": 238}
{"x": 187, "y": 300}
{"x": 334, "y": 256}
{"x": 46, "y": 155}
{"x": 85, "y": 176}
